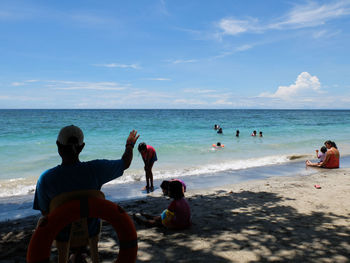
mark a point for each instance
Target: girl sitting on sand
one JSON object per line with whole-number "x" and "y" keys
{"x": 165, "y": 186}
{"x": 178, "y": 214}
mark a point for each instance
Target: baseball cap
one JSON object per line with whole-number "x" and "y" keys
{"x": 70, "y": 135}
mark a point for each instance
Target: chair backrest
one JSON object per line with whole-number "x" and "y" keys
{"x": 65, "y": 197}
{"x": 79, "y": 234}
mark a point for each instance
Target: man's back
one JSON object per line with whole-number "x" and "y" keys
{"x": 67, "y": 178}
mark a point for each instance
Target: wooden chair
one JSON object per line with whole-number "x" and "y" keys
{"x": 79, "y": 234}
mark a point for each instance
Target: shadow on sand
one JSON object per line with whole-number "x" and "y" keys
{"x": 234, "y": 227}
{"x": 263, "y": 228}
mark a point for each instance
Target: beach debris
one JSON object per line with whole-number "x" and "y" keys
{"x": 317, "y": 186}
{"x": 295, "y": 157}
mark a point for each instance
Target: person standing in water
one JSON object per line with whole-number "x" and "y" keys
{"x": 237, "y": 133}
{"x": 149, "y": 156}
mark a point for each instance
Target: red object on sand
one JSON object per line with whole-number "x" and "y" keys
{"x": 317, "y": 186}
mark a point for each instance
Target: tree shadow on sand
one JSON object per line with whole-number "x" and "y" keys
{"x": 227, "y": 227}
{"x": 254, "y": 225}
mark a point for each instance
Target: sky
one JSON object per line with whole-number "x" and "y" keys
{"x": 183, "y": 54}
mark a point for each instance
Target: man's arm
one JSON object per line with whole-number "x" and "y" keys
{"x": 130, "y": 142}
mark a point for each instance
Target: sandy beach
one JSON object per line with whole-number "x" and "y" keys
{"x": 280, "y": 219}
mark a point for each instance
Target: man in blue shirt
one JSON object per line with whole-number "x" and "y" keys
{"x": 73, "y": 175}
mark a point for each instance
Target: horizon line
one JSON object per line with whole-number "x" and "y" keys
{"x": 175, "y": 109}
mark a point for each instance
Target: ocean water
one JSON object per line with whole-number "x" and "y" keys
{"x": 182, "y": 138}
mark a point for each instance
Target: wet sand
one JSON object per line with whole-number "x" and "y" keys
{"x": 279, "y": 219}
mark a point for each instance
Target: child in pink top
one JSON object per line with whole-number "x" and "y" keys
{"x": 322, "y": 154}
{"x": 178, "y": 214}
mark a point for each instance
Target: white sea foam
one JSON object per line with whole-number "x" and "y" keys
{"x": 25, "y": 186}
{"x": 138, "y": 175}
{"x": 16, "y": 187}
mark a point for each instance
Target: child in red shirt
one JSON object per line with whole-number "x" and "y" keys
{"x": 149, "y": 156}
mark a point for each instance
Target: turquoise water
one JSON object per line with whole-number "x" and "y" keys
{"x": 182, "y": 138}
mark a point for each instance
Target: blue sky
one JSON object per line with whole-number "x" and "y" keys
{"x": 175, "y": 54}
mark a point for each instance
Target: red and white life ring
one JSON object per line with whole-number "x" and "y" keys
{"x": 39, "y": 248}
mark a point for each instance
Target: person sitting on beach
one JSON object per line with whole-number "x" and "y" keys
{"x": 237, "y": 133}
{"x": 73, "y": 175}
{"x": 149, "y": 156}
{"x": 165, "y": 186}
{"x": 254, "y": 133}
{"x": 220, "y": 130}
{"x": 322, "y": 154}
{"x": 178, "y": 214}
{"x": 332, "y": 157}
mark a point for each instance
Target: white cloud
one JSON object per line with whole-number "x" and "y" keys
{"x": 234, "y": 51}
{"x": 304, "y": 86}
{"x": 325, "y": 34}
{"x": 301, "y": 16}
{"x": 199, "y": 91}
{"x": 158, "y": 79}
{"x": 16, "y": 84}
{"x": 147, "y": 94}
{"x": 231, "y": 26}
{"x": 180, "y": 61}
{"x": 312, "y": 14}
{"x": 190, "y": 102}
{"x": 94, "y": 87}
{"x": 223, "y": 102}
{"x": 76, "y": 85}
{"x": 244, "y": 47}
{"x": 21, "y": 98}
{"x": 319, "y": 34}
{"x": 117, "y": 65}
{"x": 345, "y": 99}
